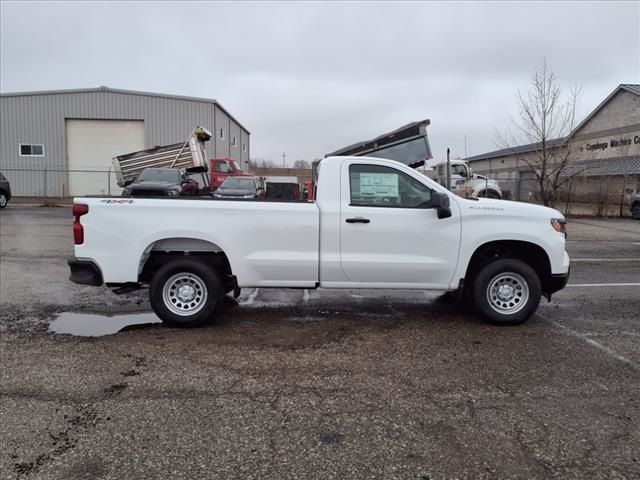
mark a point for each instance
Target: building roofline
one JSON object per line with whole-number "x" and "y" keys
{"x": 532, "y": 147}
{"x": 518, "y": 149}
{"x": 629, "y": 87}
{"x": 126, "y": 92}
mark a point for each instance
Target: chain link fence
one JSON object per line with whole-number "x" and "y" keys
{"x": 597, "y": 195}
{"x": 582, "y": 195}
{"x": 60, "y": 183}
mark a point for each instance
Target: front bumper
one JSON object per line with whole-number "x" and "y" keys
{"x": 85, "y": 272}
{"x": 557, "y": 282}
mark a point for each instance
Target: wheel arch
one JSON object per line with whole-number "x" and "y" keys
{"x": 532, "y": 254}
{"x": 163, "y": 250}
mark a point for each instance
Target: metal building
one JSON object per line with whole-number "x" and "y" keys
{"x": 61, "y": 143}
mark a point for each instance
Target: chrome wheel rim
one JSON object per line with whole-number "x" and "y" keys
{"x": 184, "y": 294}
{"x": 3, "y": 200}
{"x": 508, "y": 293}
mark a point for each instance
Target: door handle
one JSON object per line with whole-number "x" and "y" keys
{"x": 357, "y": 220}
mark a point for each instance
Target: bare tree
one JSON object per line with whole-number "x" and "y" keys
{"x": 546, "y": 116}
{"x": 301, "y": 164}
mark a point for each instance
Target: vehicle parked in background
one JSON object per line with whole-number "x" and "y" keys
{"x": 634, "y": 205}
{"x": 240, "y": 187}
{"x": 222, "y": 168}
{"x": 466, "y": 183}
{"x": 189, "y": 155}
{"x": 5, "y": 191}
{"x": 307, "y": 191}
{"x": 409, "y": 144}
{"x": 283, "y": 188}
{"x": 168, "y": 182}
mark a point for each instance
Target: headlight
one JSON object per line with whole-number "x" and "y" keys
{"x": 559, "y": 225}
{"x": 248, "y": 196}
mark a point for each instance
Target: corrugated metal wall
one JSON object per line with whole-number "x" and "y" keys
{"x": 40, "y": 119}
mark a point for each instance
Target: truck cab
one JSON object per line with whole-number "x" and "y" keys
{"x": 466, "y": 183}
{"x": 221, "y": 168}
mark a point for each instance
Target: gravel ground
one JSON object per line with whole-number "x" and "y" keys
{"x": 320, "y": 384}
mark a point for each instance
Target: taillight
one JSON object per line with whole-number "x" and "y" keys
{"x": 79, "y": 209}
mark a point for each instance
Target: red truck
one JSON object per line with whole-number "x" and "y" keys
{"x": 221, "y": 168}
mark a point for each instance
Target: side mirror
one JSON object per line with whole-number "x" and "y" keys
{"x": 440, "y": 201}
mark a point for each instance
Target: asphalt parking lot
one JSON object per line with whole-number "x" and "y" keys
{"x": 320, "y": 384}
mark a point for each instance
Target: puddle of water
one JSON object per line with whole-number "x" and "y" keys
{"x": 96, "y": 325}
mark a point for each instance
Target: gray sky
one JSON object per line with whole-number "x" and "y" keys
{"x": 308, "y": 78}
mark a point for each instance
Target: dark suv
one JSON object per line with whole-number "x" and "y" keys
{"x": 168, "y": 182}
{"x": 5, "y": 191}
{"x": 634, "y": 205}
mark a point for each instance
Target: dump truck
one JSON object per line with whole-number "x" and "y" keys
{"x": 409, "y": 144}
{"x": 190, "y": 155}
{"x": 466, "y": 183}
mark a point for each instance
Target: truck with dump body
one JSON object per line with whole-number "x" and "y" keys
{"x": 409, "y": 144}
{"x": 374, "y": 223}
{"x": 464, "y": 182}
{"x": 190, "y": 156}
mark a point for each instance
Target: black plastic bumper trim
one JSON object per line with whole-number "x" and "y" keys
{"x": 85, "y": 272}
{"x": 557, "y": 282}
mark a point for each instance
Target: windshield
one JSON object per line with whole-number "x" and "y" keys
{"x": 459, "y": 169}
{"x": 236, "y": 182}
{"x": 156, "y": 175}
{"x": 223, "y": 167}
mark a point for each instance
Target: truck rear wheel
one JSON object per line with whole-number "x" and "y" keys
{"x": 506, "y": 291}
{"x": 185, "y": 292}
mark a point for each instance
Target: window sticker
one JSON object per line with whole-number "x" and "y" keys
{"x": 379, "y": 185}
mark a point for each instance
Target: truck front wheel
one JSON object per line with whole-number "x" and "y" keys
{"x": 185, "y": 292}
{"x": 506, "y": 291}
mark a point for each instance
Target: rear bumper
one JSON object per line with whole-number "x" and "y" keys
{"x": 85, "y": 272}
{"x": 557, "y": 282}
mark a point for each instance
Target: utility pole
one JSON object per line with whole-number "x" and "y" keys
{"x": 465, "y": 146}
{"x": 448, "y": 170}
{"x": 284, "y": 156}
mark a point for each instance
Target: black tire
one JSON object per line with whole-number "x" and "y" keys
{"x": 518, "y": 279}
{"x": 173, "y": 306}
{"x": 3, "y": 199}
{"x": 635, "y": 211}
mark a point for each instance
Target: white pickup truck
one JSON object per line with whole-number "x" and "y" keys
{"x": 375, "y": 223}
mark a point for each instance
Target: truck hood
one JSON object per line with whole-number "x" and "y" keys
{"x": 235, "y": 192}
{"x": 493, "y": 207}
{"x": 154, "y": 185}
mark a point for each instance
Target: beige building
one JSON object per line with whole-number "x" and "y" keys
{"x": 604, "y": 157}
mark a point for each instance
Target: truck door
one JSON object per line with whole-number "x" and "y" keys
{"x": 389, "y": 234}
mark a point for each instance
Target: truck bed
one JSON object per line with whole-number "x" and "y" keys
{"x": 275, "y": 243}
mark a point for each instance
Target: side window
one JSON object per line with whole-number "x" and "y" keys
{"x": 459, "y": 170}
{"x": 31, "y": 150}
{"x": 223, "y": 167}
{"x": 378, "y": 186}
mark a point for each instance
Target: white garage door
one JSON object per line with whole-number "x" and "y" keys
{"x": 91, "y": 145}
